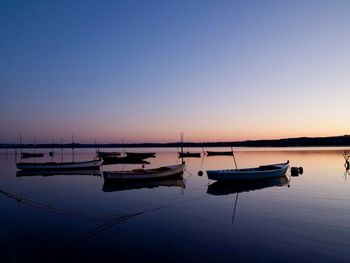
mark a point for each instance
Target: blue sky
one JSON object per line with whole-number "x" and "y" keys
{"x": 147, "y": 70}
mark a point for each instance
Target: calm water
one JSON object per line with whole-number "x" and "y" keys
{"x": 77, "y": 217}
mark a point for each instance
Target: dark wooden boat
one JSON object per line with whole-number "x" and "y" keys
{"x": 123, "y": 160}
{"x": 110, "y": 186}
{"x": 140, "y": 155}
{"x": 31, "y": 155}
{"x": 189, "y": 154}
{"x": 220, "y": 153}
{"x": 107, "y": 154}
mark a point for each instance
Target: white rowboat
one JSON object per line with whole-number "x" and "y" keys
{"x": 261, "y": 172}
{"x": 146, "y": 174}
{"x": 94, "y": 164}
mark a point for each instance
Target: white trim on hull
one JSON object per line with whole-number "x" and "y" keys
{"x": 146, "y": 174}
{"x": 261, "y": 172}
{"x": 95, "y": 164}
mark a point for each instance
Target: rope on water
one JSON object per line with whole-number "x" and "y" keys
{"x": 51, "y": 209}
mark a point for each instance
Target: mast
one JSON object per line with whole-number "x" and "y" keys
{"x": 234, "y": 158}
{"x": 73, "y": 147}
{"x": 51, "y": 153}
{"x": 182, "y": 147}
{"x": 61, "y": 150}
{"x": 34, "y": 149}
{"x": 20, "y": 142}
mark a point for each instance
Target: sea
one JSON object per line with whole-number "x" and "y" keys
{"x": 78, "y": 217}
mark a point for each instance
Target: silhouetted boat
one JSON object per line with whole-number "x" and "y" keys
{"x": 226, "y": 188}
{"x": 110, "y": 186}
{"x": 261, "y": 172}
{"x": 31, "y": 155}
{"x": 213, "y": 153}
{"x": 22, "y": 173}
{"x": 189, "y": 154}
{"x": 173, "y": 171}
{"x": 108, "y": 154}
{"x": 85, "y": 165}
{"x": 140, "y": 155}
{"x": 123, "y": 160}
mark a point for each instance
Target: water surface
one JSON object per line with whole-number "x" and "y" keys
{"x": 78, "y": 217}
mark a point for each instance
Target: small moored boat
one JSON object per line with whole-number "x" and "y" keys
{"x": 261, "y": 172}
{"x": 173, "y": 171}
{"x": 85, "y": 165}
{"x": 31, "y": 155}
{"x": 189, "y": 154}
{"x": 140, "y": 155}
{"x": 107, "y": 154}
{"x": 213, "y": 153}
{"x": 123, "y": 160}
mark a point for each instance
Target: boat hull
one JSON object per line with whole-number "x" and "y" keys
{"x": 210, "y": 153}
{"x": 107, "y": 154}
{"x": 32, "y": 155}
{"x": 87, "y": 165}
{"x": 140, "y": 155}
{"x": 261, "y": 172}
{"x": 189, "y": 154}
{"x": 174, "y": 171}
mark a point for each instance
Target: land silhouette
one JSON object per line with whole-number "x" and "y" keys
{"x": 287, "y": 142}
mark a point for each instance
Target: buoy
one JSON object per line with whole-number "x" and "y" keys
{"x": 301, "y": 170}
{"x": 294, "y": 171}
{"x": 200, "y": 173}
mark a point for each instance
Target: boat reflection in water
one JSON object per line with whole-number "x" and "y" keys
{"x": 110, "y": 186}
{"x": 226, "y": 188}
{"x": 23, "y": 173}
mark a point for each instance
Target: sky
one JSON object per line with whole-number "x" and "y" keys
{"x": 144, "y": 71}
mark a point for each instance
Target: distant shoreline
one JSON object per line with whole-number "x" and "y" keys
{"x": 288, "y": 142}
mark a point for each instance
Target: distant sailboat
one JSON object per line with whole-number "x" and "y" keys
{"x": 219, "y": 153}
{"x": 25, "y": 155}
{"x": 183, "y": 154}
{"x": 144, "y": 155}
{"x": 107, "y": 154}
{"x": 189, "y": 154}
{"x": 53, "y": 166}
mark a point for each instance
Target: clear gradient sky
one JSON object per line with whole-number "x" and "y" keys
{"x": 147, "y": 70}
